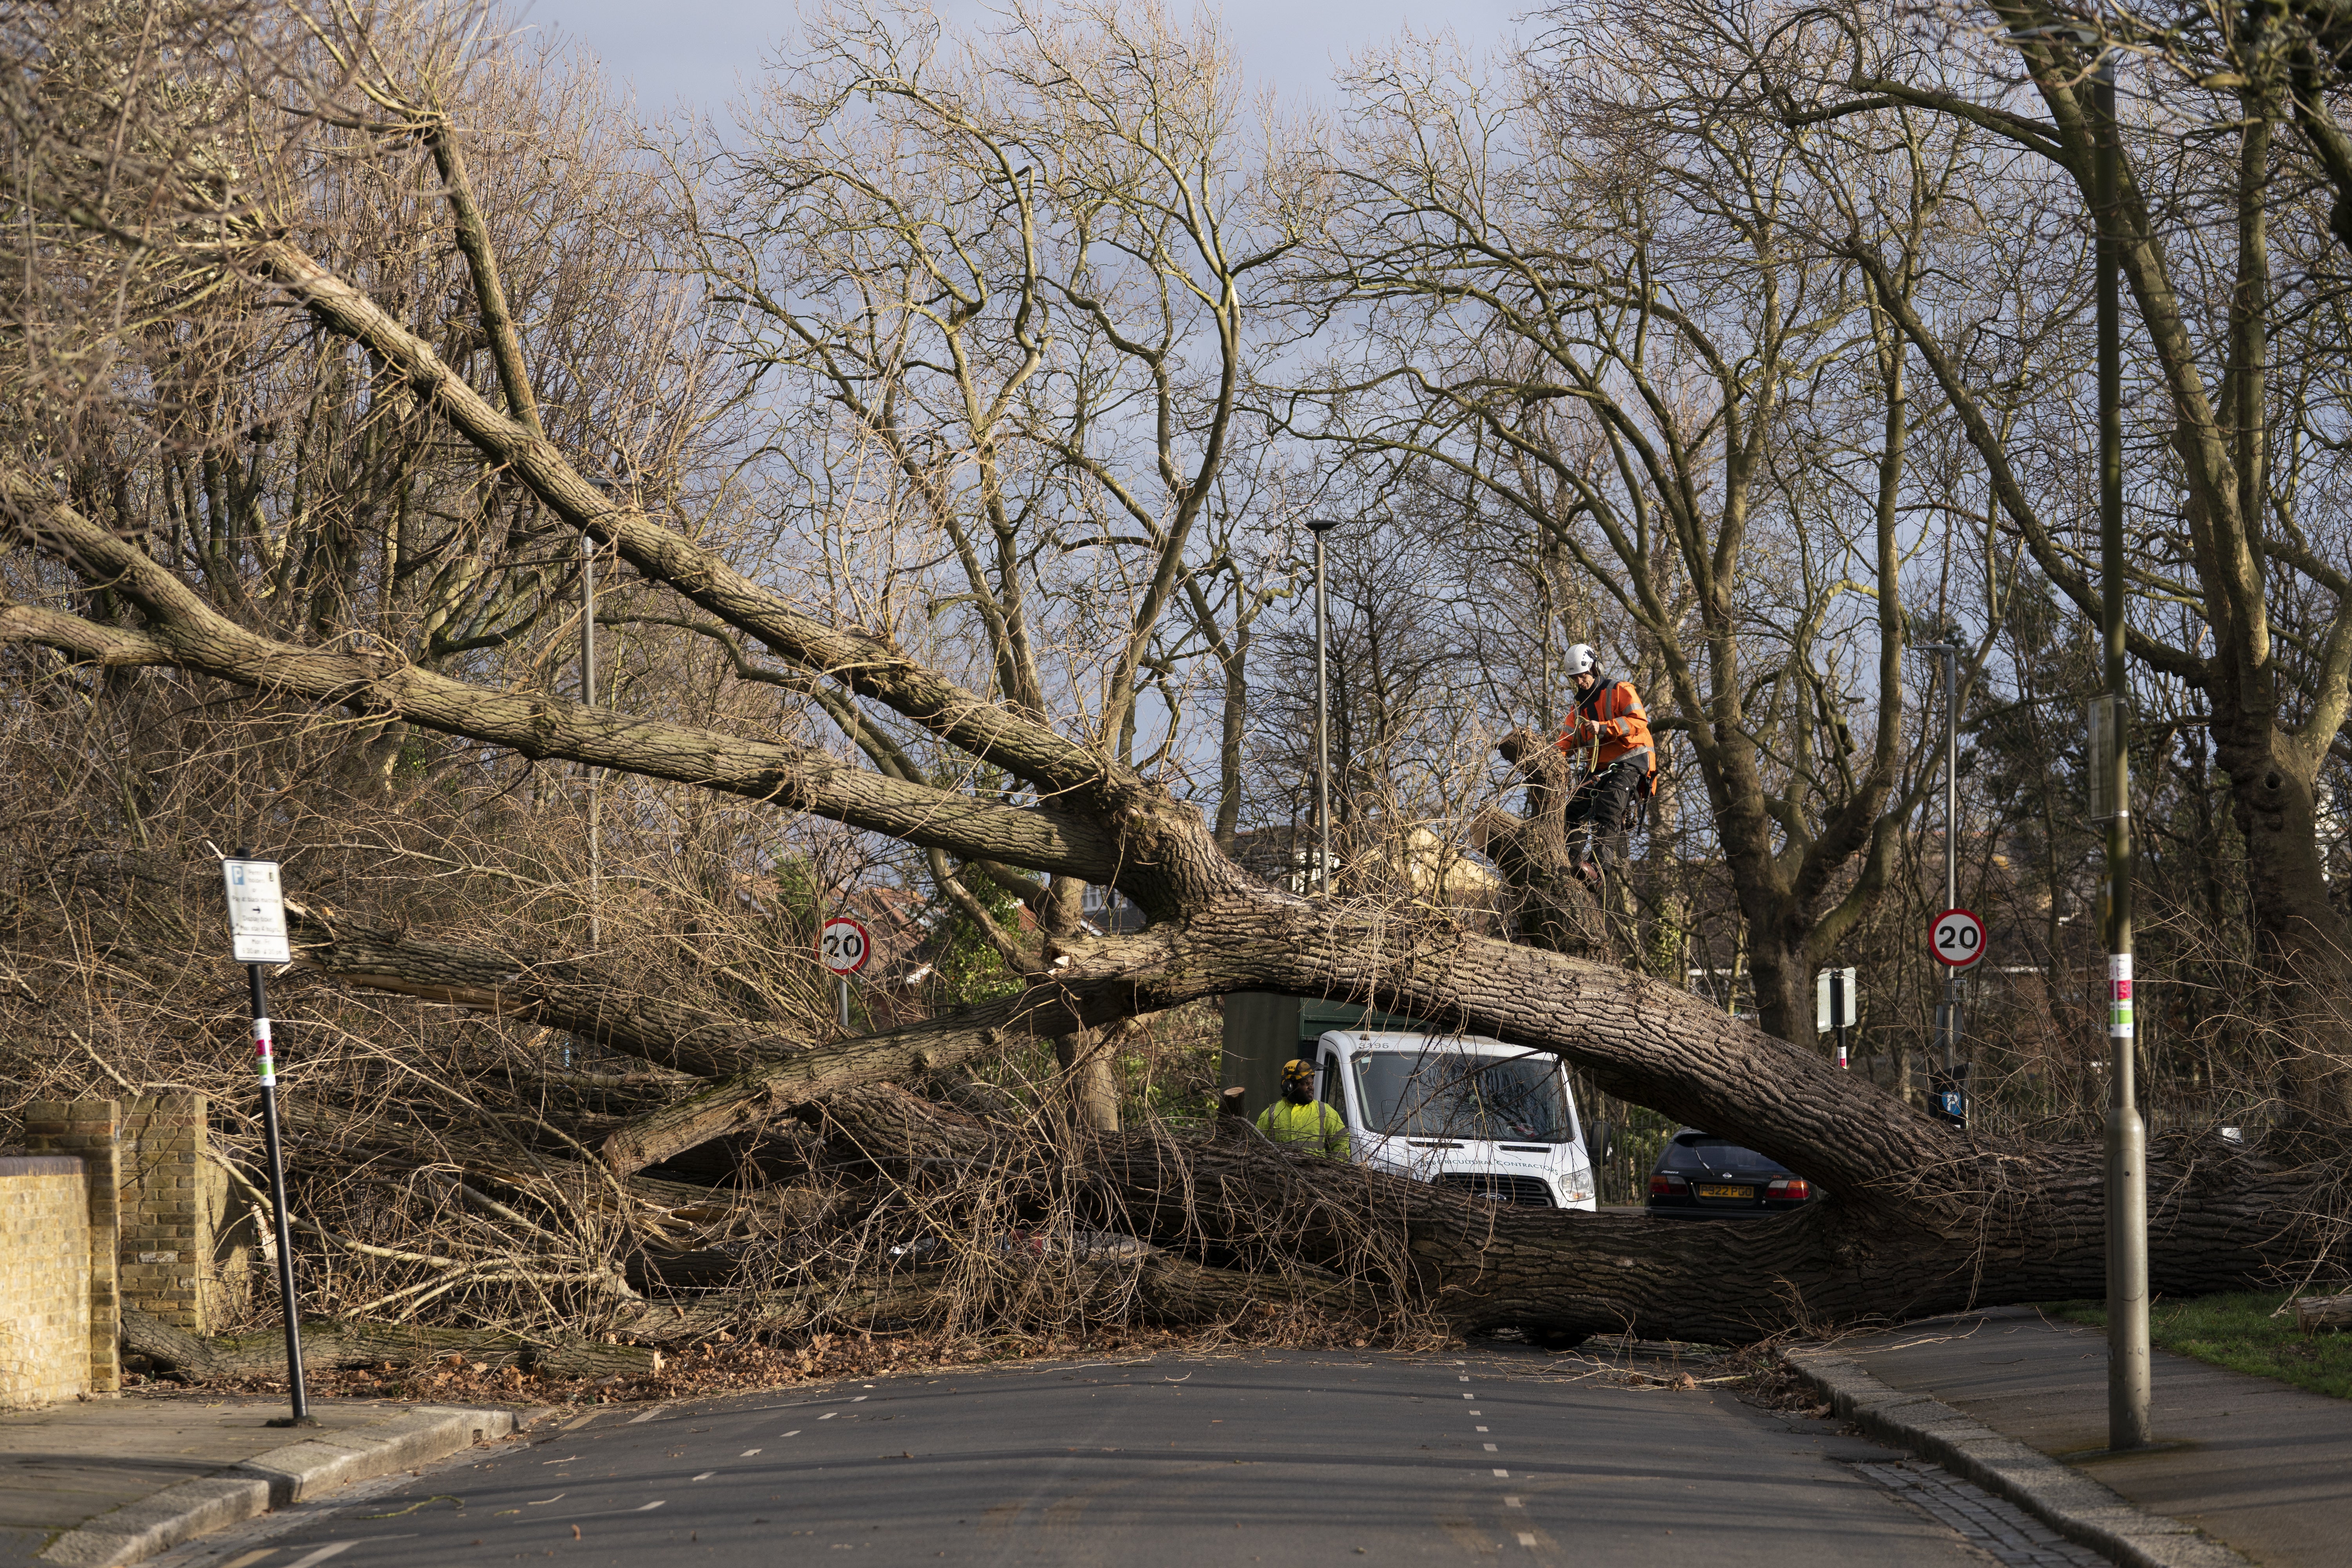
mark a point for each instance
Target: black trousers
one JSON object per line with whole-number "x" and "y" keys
{"x": 1603, "y": 803}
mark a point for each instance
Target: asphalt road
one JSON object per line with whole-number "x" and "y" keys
{"x": 1291, "y": 1459}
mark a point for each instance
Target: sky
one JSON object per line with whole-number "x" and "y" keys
{"x": 694, "y": 53}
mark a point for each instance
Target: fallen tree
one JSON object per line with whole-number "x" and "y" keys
{"x": 1920, "y": 1215}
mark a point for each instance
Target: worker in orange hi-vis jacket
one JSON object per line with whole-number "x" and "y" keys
{"x": 1608, "y": 733}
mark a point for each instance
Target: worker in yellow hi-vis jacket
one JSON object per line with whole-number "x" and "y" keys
{"x": 1300, "y": 1119}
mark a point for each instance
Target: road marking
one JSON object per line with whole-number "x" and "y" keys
{"x": 648, "y": 1415}
{"x": 1491, "y": 1449}
{"x": 247, "y": 1560}
{"x": 1505, "y": 1474}
{"x": 793, "y": 1433}
{"x": 828, "y": 1415}
{"x": 321, "y": 1554}
{"x": 542, "y": 1502}
{"x": 1526, "y": 1537}
{"x": 705, "y": 1475}
{"x": 1474, "y": 1413}
{"x": 651, "y": 1506}
{"x": 575, "y": 1426}
{"x": 1465, "y": 1377}
{"x": 747, "y": 1453}
{"x": 565, "y": 1460}
{"x": 859, "y": 1400}
{"x": 1469, "y": 1396}
{"x": 1510, "y": 1502}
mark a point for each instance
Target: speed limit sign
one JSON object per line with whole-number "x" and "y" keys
{"x": 1957, "y": 939}
{"x": 843, "y": 946}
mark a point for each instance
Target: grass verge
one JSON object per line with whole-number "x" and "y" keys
{"x": 2238, "y": 1331}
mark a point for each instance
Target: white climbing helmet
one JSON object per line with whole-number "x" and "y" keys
{"x": 1580, "y": 658}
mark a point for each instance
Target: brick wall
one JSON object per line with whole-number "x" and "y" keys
{"x": 88, "y": 1129}
{"x": 167, "y": 1245}
{"x": 45, "y": 1255}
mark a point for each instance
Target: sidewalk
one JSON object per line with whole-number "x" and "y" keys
{"x": 110, "y": 1481}
{"x": 2260, "y": 1467}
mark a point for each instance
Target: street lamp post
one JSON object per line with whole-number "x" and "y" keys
{"x": 1319, "y": 526}
{"x": 2126, "y": 1140}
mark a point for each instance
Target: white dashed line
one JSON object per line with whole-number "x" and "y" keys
{"x": 859, "y": 1400}
{"x": 1465, "y": 1377}
{"x": 705, "y": 1475}
{"x": 1492, "y": 1450}
{"x": 828, "y": 1415}
{"x": 1505, "y": 1474}
{"x": 793, "y": 1433}
{"x": 1474, "y": 1413}
{"x": 648, "y": 1415}
{"x": 651, "y": 1506}
{"x": 1526, "y": 1538}
{"x": 1510, "y": 1502}
{"x": 321, "y": 1554}
{"x": 1469, "y": 1396}
{"x": 575, "y": 1426}
{"x": 747, "y": 1453}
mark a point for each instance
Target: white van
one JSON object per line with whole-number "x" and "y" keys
{"x": 1495, "y": 1120}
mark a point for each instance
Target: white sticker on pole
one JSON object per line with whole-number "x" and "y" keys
{"x": 256, "y": 912}
{"x": 1957, "y": 938}
{"x": 2119, "y": 995}
{"x": 843, "y": 946}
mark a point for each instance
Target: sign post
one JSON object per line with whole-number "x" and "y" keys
{"x": 1957, "y": 938}
{"x": 1837, "y": 1006}
{"x": 256, "y": 926}
{"x": 843, "y": 947}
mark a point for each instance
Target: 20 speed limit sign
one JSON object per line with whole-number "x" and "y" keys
{"x": 843, "y": 946}
{"x": 1957, "y": 939}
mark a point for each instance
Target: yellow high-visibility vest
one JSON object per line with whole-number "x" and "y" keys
{"x": 1312, "y": 1124}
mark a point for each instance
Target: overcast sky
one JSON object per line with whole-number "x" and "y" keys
{"x": 695, "y": 51}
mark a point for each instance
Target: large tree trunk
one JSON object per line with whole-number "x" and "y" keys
{"x": 1236, "y": 1199}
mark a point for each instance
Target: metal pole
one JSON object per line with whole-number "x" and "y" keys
{"x": 845, "y": 1003}
{"x": 2126, "y": 1173}
{"x": 1319, "y": 527}
{"x": 588, "y": 699}
{"x": 1951, "y": 1030}
{"x": 266, "y": 1067}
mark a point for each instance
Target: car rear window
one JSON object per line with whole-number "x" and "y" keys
{"x": 1714, "y": 1155}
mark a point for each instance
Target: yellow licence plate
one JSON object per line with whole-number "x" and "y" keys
{"x": 1726, "y": 1192}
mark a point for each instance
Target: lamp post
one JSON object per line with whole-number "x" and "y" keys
{"x": 1947, "y": 1011}
{"x": 612, "y": 490}
{"x": 1319, "y": 526}
{"x": 2126, "y": 1140}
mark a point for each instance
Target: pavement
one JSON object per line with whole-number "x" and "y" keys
{"x": 105, "y": 1482}
{"x": 2245, "y": 1468}
{"x": 1301, "y": 1458}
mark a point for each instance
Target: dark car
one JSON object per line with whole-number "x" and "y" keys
{"x": 1701, "y": 1177}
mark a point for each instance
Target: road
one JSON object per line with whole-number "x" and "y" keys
{"x": 1296, "y": 1458}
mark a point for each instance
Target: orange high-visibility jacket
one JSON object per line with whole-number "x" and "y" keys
{"x": 1613, "y": 715}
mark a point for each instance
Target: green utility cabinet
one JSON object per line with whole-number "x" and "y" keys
{"x": 1263, "y": 1030}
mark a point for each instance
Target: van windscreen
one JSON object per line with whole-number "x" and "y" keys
{"x": 1438, "y": 1094}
